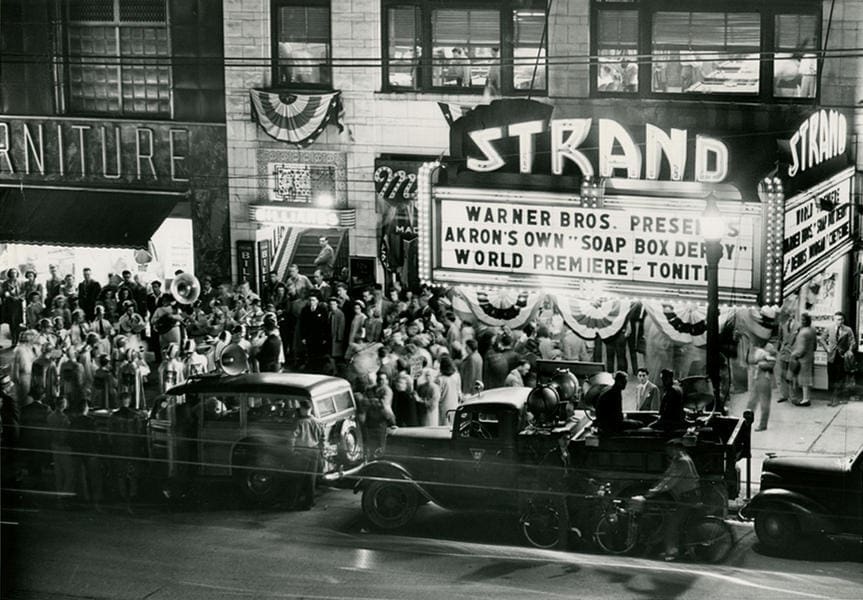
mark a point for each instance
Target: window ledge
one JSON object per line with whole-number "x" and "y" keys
{"x": 436, "y": 96}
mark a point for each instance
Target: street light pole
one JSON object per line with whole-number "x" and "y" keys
{"x": 713, "y": 228}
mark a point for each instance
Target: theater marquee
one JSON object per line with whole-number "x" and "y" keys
{"x": 543, "y": 239}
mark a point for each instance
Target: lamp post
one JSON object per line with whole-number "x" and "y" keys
{"x": 712, "y": 229}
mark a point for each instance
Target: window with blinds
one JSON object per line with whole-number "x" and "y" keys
{"x": 657, "y": 47}
{"x": 301, "y": 32}
{"x": 529, "y": 61}
{"x": 118, "y": 57}
{"x": 617, "y": 51}
{"x": 436, "y": 45}
{"x": 404, "y": 46}
{"x": 795, "y": 65}
{"x": 465, "y": 43}
{"x": 706, "y": 52}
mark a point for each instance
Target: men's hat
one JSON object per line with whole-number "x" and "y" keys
{"x": 360, "y": 303}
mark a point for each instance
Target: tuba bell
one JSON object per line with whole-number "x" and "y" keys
{"x": 185, "y": 288}
{"x": 233, "y": 360}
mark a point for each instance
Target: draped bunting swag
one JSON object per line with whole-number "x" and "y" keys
{"x": 296, "y": 118}
{"x": 683, "y": 323}
{"x": 589, "y": 318}
{"x": 496, "y": 308}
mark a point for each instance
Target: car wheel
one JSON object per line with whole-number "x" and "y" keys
{"x": 262, "y": 481}
{"x": 390, "y": 505}
{"x": 545, "y": 522}
{"x": 776, "y": 528}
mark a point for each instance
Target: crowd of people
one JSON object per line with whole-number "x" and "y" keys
{"x": 408, "y": 356}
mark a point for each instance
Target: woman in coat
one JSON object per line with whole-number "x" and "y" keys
{"x": 450, "y": 389}
{"x": 804, "y": 353}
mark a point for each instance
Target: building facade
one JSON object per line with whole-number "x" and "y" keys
{"x": 623, "y": 102}
{"x": 112, "y": 137}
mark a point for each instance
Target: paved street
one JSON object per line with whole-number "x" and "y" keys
{"x": 218, "y": 551}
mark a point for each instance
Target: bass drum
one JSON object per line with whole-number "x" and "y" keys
{"x": 348, "y": 439}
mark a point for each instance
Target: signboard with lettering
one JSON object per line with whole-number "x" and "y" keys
{"x": 396, "y": 191}
{"x": 45, "y": 150}
{"x": 264, "y": 262}
{"x": 246, "y": 262}
{"x": 303, "y": 216}
{"x": 818, "y": 226}
{"x": 549, "y": 240}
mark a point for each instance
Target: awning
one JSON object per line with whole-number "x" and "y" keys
{"x": 65, "y": 217}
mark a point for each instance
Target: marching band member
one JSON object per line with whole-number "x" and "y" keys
{"x": 61, "y": 334}
{"x": 171, "y": 371}
{"x": 132, "y": 326}
{"x": 194, "y": 363}
{"x": 166, "y": 322}
{"x": 79, "y": 328}
{"x": 131, "y": 376}
{"x": 101, "y": 324}
{"x": 104, "y": 384}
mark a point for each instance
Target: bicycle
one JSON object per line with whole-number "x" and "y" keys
{"x": 630, "y": 523}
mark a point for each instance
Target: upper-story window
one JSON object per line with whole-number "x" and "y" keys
{"x": 118, "y": 57}
{"x": 301, "y": 43}
{"x": 437, "y": 45}
{"x": 660, "y": 47}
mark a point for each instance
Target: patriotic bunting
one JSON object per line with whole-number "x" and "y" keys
{"x": 684, "y": 323}
{"x": 589, "y": 318}
{"x": 295, "y": 118}
{"x": 496, "y": 307}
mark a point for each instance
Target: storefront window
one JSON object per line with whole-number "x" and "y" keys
{"x": 617, "y": 50}
{"x": 795, "y": 68}
{"x": 493, "y": 45}
{"x": 706, "y": 53}
{"x": 301, "y": 35}
{"x": 405, "y": 49}
{"x": 118, "y": 59}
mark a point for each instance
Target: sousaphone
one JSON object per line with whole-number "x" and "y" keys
{"x": 233, "y": 360}
{"x": 185, "y": 288}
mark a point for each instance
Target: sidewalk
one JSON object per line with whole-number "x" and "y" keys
{"x": 817, "y": 430}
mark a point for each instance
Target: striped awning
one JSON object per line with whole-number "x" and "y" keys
{"x": 295, "y": 118}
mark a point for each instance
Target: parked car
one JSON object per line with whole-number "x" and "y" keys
{"x": 242, "y": 427}
{"x": 807, "y": 495}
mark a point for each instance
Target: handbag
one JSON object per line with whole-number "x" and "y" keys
{"x": 794, "y": 365}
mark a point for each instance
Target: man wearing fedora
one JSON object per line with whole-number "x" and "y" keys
{"x": 838, "y": 339}
{"x": 326, "y": 258}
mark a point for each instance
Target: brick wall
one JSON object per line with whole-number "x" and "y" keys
{"x": 410, "y": 123}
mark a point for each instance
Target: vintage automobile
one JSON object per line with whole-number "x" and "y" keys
{"x": 242, "y": 427}
{"x": 497, "y": 455}
{"x": 807, "y": 495}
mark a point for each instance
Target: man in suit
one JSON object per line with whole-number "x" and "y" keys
{"x": 138, "y": 292}
{"x": 609, "y": 408}
{"x": 326, "y": 258}
{"x": 88, "y": 293}
{"x": 337, "y": 331}
{"x": 671, "y": 413}
{"x": 838, "y": 339}
{"x": 270, "y": 352}
{"x": 314, "y": 333}
{"x": 646, "y": 392}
